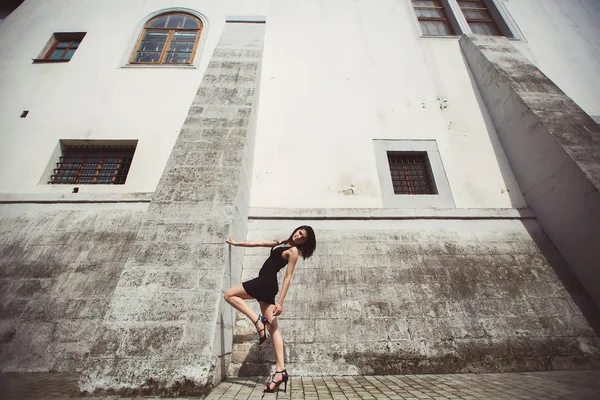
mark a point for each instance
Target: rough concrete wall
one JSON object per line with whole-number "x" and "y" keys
{"x": 167, "y": 331}
{"x": 553, "y": 148}
{"x": 422, "y": 296}
{"x": 59, "y": 266}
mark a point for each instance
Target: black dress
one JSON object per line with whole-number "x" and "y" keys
{"x": 265, "y": 286}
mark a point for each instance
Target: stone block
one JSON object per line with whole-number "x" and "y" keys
{"x": 177, "y": 378}
{"x": 132, "y": 277}
{"x": 54, "y": 308}
{"x": 181, "y": 255}
{"x": 165, "y": 231}
{"x": 90, "y": 284}
{"x": 229, "y": 57}
{"x": 172, "y": 279}
{"x": 8, "y": 329}
{"x": 108, "y": 341}
{"x": 11, "y": 307}
{"x": 216, "y": 231}
{"x": 151, "y": 305}
{"x": 238, "y": 96}
{"x": 205, "y": 157}
{"x": 149, "y": 341}
{"x": 31, "y": 340}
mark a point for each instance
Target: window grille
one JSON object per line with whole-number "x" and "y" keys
{"x": 479, "y": 18}
{"x": 411, "y": 173}
{"x": 432, "y": 18}
{"x": 168, "y": 39}
{"x": 93, "y": 165}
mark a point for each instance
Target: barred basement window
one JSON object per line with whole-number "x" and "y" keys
{"x": 479, "y": 18}
{"x": 432, "y": 18}
{"x": 93, "y": 165}
{"x": 61, "y": 47}
{"x": 411, "y": 173}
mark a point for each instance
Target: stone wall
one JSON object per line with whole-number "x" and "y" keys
{"x": 422, "y": 295}
{"x": 59, "y": 265}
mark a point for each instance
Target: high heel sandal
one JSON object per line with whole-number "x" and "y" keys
{"x": 284, "y": 379}
{"x": 265, "y": 322}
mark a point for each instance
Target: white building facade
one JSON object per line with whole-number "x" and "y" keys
{"x": 341, "y": 85}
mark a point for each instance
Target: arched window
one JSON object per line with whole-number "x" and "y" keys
{"x": 168, "y": 39}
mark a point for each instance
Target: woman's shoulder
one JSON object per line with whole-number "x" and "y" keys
{"x": 293, "y": 250}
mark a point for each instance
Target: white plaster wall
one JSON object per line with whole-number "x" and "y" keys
{"x": 562, "y": 38}
{"x": 92, "y": 97}
{"x": 339, "y": 74}
{"x": 336, "y": 75}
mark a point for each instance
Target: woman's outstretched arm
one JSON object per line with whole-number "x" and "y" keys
{"x": 269, "y": 243}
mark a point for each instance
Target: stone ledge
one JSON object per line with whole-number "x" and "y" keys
{"x": 52, "y": 198}
{"x": 258, "y": 213}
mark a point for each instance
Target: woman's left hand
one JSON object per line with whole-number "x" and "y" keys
{"x": 278, "y": 309}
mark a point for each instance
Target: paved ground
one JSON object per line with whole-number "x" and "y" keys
{"x": 572, "y": 385}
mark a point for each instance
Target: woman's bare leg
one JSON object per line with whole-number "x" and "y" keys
{"x": 237, "y": 296}
{"x": 276, "y": 338}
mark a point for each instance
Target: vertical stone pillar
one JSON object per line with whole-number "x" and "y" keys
{"x": 553, "y": 148}
{"x": 167, "y": 331}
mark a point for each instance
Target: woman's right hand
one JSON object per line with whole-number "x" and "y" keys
{"x": 231, "y": 242}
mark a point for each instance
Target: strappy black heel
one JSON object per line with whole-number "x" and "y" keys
{"x": 284, "y": 379}
{"x": 265, "y": 322}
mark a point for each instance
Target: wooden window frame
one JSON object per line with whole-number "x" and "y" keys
{"x": 168, "y": 41}
{"x": 483, "y": 7}
{"x": 441, "y": 6}
{"x": 53, "y": 43}
{"x": 455, "y": 16}
{"x": 496, "y": 19}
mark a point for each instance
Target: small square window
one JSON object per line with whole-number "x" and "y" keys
{"x": 90, "y": 164}
{"x": 411, "y": 173}
{"x": 61, "y": 47}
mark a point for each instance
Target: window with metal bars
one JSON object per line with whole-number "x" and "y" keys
{"x": 168, "y": 39}
{"x": 61, "y": 47}
{"x": 93, "y": 165}
{"x": 479, "y": 18}
{"x": 411, "y": 173}
{"x": 433, "y": 18}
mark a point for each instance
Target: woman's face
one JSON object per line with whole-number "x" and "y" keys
{"x": 300, "y": 236}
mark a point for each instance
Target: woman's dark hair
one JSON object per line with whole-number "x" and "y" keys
{"x": 308, "y": 247}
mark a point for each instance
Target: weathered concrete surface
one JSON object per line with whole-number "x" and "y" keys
{"x": 167, "y": 331}
{"x": 553, "y": 148}
{"x": 423, "y": 296}
{"x": 59, "y": 265}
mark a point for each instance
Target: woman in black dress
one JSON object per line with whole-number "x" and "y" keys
{"x": 302, "y": 242}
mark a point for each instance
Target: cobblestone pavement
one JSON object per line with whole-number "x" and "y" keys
{"x": 572, "y": 385}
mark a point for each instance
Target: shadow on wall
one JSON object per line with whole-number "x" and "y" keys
{"x": 259, "y": 360}
{"x": 516, "y": 199}
{"x": 8, "y": 7}
{"x": 577, "y": 292}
